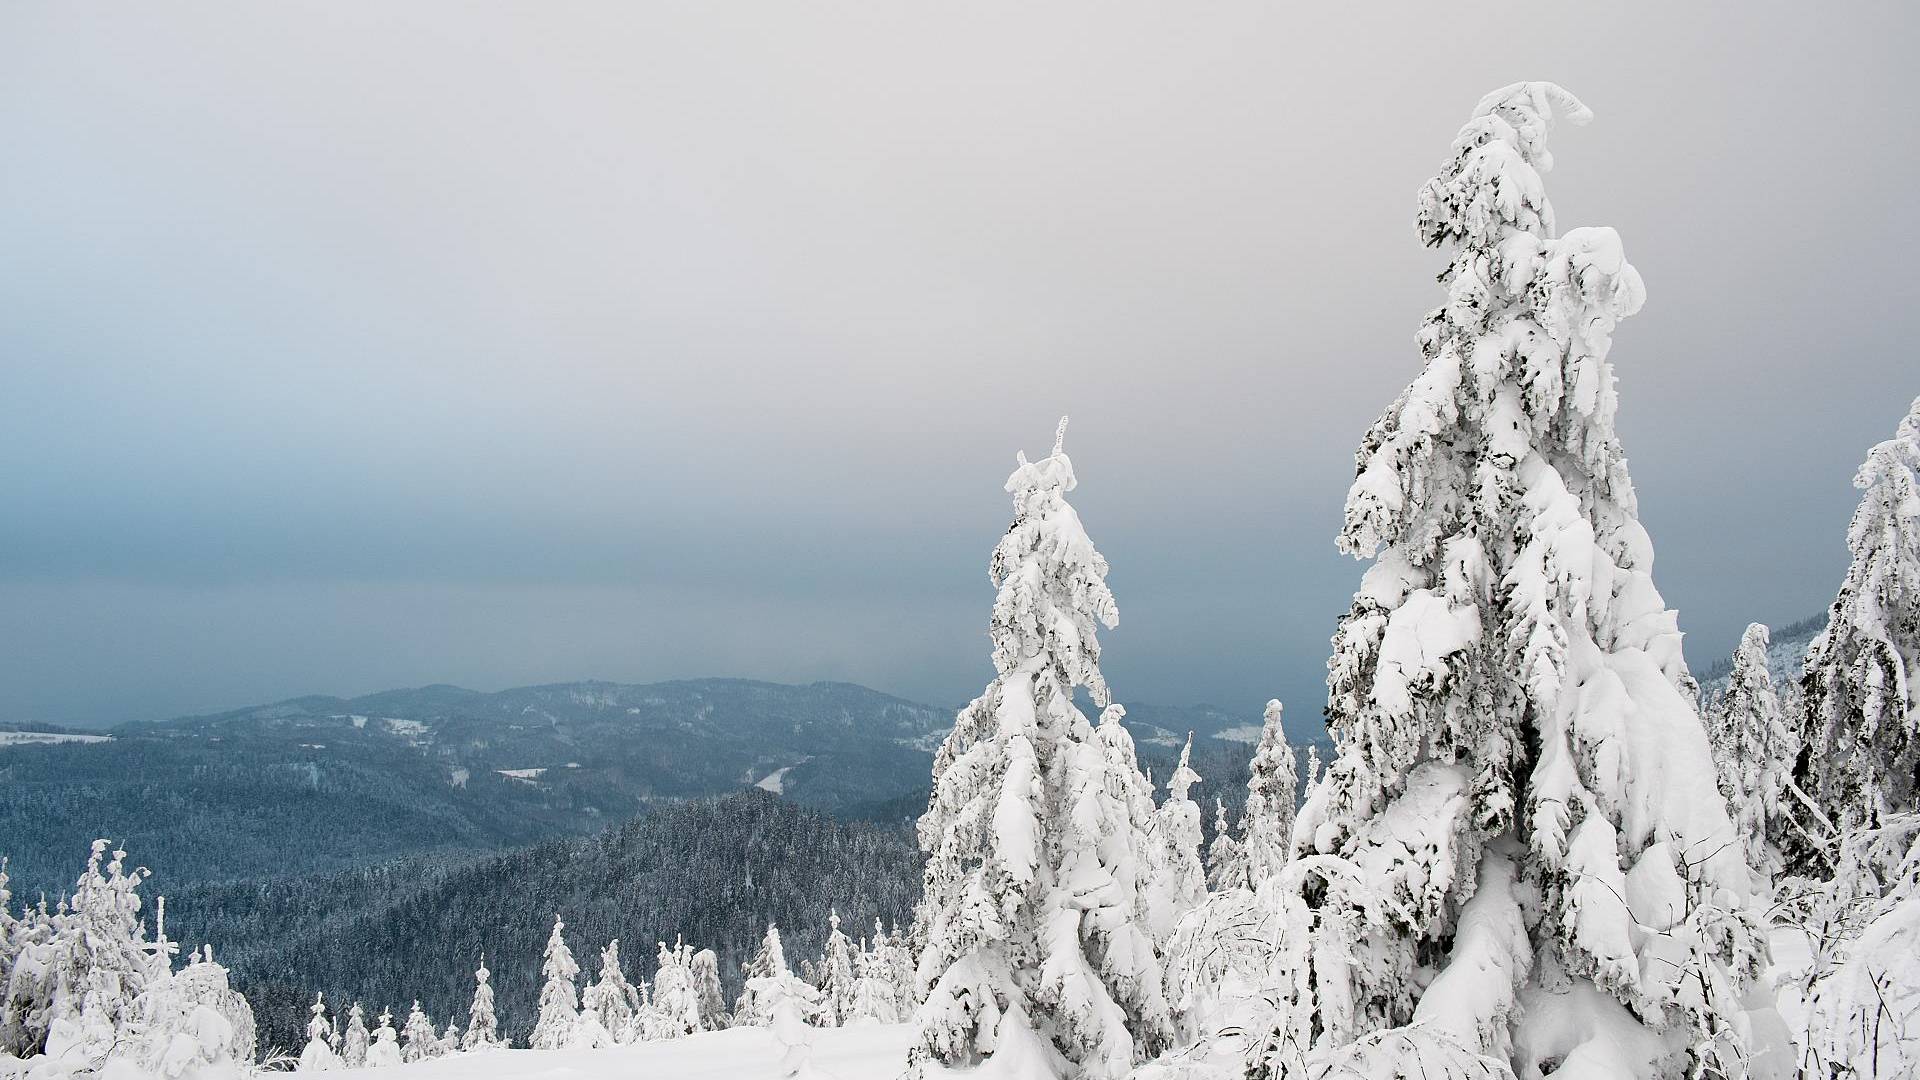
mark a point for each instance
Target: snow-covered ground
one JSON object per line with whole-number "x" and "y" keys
{"x": 871, "y": 1052}
{"x": 44, "y": 738}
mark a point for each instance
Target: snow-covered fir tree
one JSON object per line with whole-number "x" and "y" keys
{"x": 712, "y": 1001}
{"x": 898, "y": 953}
{"x": 385, "y": 1050}
{"x": 611, "y": 999}
{"x": 483, "y": 1027}
{"x": 836, "y": 975}
{"x": 1754, "y": 750}
{"x": 354, "y": 1042}
{"x": 1519, "y": 854}
{"x": 559, "y": 1010}
{"x": 676, "y": 1000}
{"x": 1226, "y": 855}
{"x": 875, "y": 999}
{"x": 1181, "y": 876}
{"x": 421, "y": 1041}
{"x": 450, "y": 1039}
{"x": 95, "y": 963}
{"x": 1861, "y": 761}
{"x": 769, "y": 961}
{"x": 318, "y": 1054}
{"x": 1266, "y": 825}
{"x": 1038, "y": 945}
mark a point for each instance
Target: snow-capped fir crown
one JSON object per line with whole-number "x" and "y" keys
{"x": 1862, "y": 706}
{"x": 1753, "y": 749}
{"x": 1272, "y": 784}
{"x": 1040, "y": 857}
{"x": 1508, "y": 691}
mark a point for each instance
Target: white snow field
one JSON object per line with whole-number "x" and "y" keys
{"x": 865, "y": 1052}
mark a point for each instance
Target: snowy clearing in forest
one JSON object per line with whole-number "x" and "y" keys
{"x": 776, "y": 781}
{"x": 869, "y": 1052}
{"x": 47, "y": 738}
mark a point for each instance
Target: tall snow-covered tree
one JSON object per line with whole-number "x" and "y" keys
{"x": 1226, "y": 855}
{"x": 385, "y": 1050}
{"x": 354, "y": 1043}
{"x": 1530, "y": 861}
{"x": 836, "y": 975}
{"x": 611, "y": 999}
{"x": 1037, "y": 941}
{"x": 769, "y": 961}
{"x": 483, "y": 1028}
{"x": 875, "y": 999}
{"x": 898, "y": 953}
{"x": 318, "y": 1054}
{"x": 1266, "y": 826}
{"x": 1182, "y": 877}
{"x": 1861, "y": 761}
{"x": 704, "y": 969}
{"x": 422, "y": 1042}
{"x": 676, "y": 1000}
{"x": 1754, "y": 750}
{"x": 559, "y": 1011}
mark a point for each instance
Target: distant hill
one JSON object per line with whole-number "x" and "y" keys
{"x": 320, "y": 784}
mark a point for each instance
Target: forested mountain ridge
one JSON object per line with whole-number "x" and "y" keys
{"x": 320, "y": 784}
{"x": 715, "y": 870}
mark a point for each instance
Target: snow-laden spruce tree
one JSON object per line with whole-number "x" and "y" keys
{"x": 769, "y": 961}
{"x": 318, "y": 1055}
{"x": 1754, "y": 750}
{"x": 1038, "y": 947}
{"x": 896, "y": 950}
{"x": 95, "y": 962}
{"x": 1534, "y": 865}
{"x": 422, "y": 1041}
{"x": 353, "y": 1044}
{"x": 1861, "y": 762}
{"x": 875, "y": 999}
{"x": 1182, "y": 877}
{"x": 483, "y": 1028}
{"x": 1266, "y": 826}
{"x": 1226, "y": 855}
{"x": 836, "y": 975}
{"x": 711, "y": 1000}
{"x": 450, "y": 1039}
{"x": 676, "y": 1000}
{"x": 385, "y": 1050}
{"x": 611, "y": 999}
{"x": 559, "y": 1011}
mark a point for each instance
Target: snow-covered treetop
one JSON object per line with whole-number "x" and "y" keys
{"x": 1183, "y": 777}
{"x": 1053, "y": 594}
{"x": 1863, "y": 712}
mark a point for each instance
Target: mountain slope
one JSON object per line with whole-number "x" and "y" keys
{"x": 715, "y": 870}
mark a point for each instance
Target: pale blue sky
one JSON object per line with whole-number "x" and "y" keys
{"x": 348, "y": 346}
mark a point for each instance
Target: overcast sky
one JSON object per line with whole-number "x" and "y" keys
{"x": 347, "y": 346}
